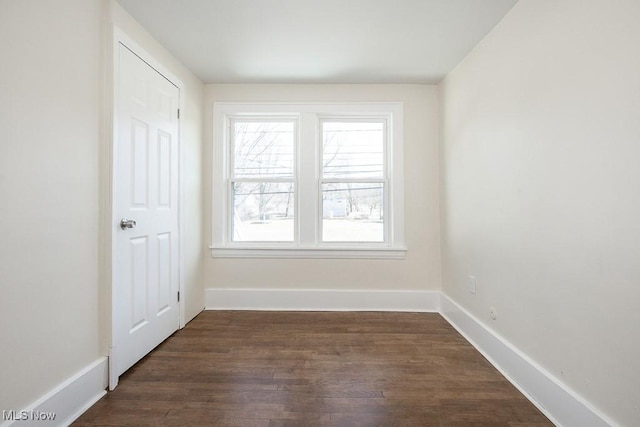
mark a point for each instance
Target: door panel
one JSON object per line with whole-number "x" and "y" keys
{"x": 139, "y": 168}
{"x": 164, "y": 272}
{"x": 164, "y": 170}
{"x": 146, "y": 258}
{"x": 138, "y": 282}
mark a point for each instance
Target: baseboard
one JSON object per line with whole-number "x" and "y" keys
{"x": 67, "y": 401}
{"x": 322, "y": 300}
{"x": 561, "y": 405}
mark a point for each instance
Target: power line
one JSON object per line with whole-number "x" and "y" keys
{"x": 293, "y": 192}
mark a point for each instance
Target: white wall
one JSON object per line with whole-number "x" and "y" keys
{"x": 54, "y": 304}
{"x": 49, "y": 139}
{"x": 421, "y": 268}
{"x": 541, "y": 191}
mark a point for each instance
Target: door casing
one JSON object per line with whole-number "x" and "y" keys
{"x": 108, "y": 246}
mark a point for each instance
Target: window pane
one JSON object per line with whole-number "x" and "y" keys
{"x": 263, "y": 149}
{"x": 263, "y": 212}
{"x": 353, "y": 149}
{"x": 352, "y": 212}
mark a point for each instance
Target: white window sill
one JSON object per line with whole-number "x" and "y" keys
{"x": 309, "y": 253}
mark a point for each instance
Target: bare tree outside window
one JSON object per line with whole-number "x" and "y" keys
{"x": 263, "y": 180}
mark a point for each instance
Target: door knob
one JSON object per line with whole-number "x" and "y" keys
{"x": 127, "y": 223}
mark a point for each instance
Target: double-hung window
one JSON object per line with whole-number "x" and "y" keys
{"x": 308, "y": 180}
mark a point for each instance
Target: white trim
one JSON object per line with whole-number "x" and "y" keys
{"x": 113, "y": 377}
{"x": 563, "y": 406}
{"x": 308, "y": 166}
{"x": 322, "y": 300}
{"x": 309, "y": 253}
{"x": 119, "y": 37}
{"x": 71, "y": 398}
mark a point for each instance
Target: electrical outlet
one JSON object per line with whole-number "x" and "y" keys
{"x": 472, "y": 284}
{"x": 493, "y": 313}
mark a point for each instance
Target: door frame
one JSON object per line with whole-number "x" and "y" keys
{"x": 110, "y": 218}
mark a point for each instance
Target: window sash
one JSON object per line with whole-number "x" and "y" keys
{"x": 385, "y": 222}
{"x": 354, "y": 119}
{"x": 231, "y": 211}
{"x": 230, "y": 143}
{"x": 384, "y": 180}
{"x": 231, "y": 178}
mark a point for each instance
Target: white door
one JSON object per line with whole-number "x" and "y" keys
{"x": 145, "y": 195}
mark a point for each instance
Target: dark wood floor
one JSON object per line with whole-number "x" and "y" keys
{"x": 299, "y": 369}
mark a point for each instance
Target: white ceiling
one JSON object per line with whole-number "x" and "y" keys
{"x": 319, "y": 41}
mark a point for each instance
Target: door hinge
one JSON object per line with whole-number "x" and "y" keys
{"x": 178, "y": 113}
{"x": 178, "y": 296}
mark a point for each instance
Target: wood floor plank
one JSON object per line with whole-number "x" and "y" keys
{"x": 243, "y": 368}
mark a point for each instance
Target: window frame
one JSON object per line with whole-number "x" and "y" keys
{"x": 308, "y": 153}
